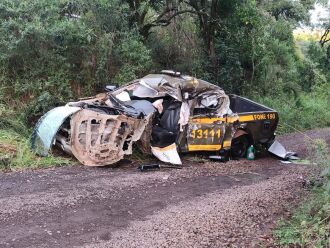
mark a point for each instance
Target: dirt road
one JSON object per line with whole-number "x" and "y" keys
{"x": 232, "y": 204}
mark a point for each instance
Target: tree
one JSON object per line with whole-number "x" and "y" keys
{"x": 147, "y": 14}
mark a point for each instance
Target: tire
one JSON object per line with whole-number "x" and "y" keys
{"x": 239, "y": 146}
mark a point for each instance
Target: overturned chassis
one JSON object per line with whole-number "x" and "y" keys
{"x": 163, "y": 114}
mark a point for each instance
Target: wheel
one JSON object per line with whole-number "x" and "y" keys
{"x": 239, "y": 146}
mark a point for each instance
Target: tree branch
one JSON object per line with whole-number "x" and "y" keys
{"x": 324, "y": 39}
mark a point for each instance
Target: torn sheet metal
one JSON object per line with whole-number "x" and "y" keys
{"x": 279, "y": 150}
{"x": 99, "y": 139}
{"x": 103, "y": 128}
{"x": 44, "y": 134}
{"x": 143, "y": 106}
{"x": 144, "y": 143}
{"x": 184, "y": 115}
{"x": 215, "y": 99}
{"x": 168, "y": 154}
{"x": 144, "y": 91}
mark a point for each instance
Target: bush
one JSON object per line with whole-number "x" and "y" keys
{"x": 63, "y": 50}
{"x": 300, "y": 112}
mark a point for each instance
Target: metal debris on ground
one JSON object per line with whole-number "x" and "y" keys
{"x": 279, "y": 150}
{"x": 218, "y": 158}
{"x": 156, "y": 167}
{"x": 285, "y": 156}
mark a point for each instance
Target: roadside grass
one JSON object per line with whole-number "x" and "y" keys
{"x": 309, "y": 226}
{"x": 15, "y": 151}
{"x": 16, "y": 154}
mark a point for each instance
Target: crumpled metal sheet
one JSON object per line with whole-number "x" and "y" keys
{"x": 99, "y": 139}
{"x": 44, "y": 133}
{"x": 216, "y": 99}
{"x": 158, "y": 85}
{"x": 279, "y": 150}
{"x": 168, "y": 154}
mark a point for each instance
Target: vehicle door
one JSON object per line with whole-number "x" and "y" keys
{"x": 205, "y": 131}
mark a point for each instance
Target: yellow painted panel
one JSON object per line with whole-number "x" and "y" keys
{"x": 229, "y": 119}
{"x": 232, "y": 119}
{"x": 166, "y": 148}
{"x": 246, "y": 118}
{"x": 226, "y": 143}
{"x": 204, "y": 147}
{"x": 207, "y": 120}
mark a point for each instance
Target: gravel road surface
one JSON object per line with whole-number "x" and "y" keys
{"x": 233, "y": 204}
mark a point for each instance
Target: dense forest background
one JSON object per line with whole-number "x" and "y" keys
{"x": 55, "y": 51}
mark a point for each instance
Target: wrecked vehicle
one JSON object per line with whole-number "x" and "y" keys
{"x": 164, "y": 114}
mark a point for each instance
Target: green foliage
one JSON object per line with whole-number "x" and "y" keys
{"x": 321, "y": 155}
{"x": 53, "y": 51}
{"x": 10, "y": 120}
{"x": 177, "y": 47}
{"x": 301, "y": 112}
{"x": 256, "y": 53}
{"x": 310, "y": 224}
{"x": 318, "y": 55}
{"x": 15, "y": 151}
{"x": 16, "y": 154}
{"x": 134, "y": 58}
{"x": 293, "y": 11}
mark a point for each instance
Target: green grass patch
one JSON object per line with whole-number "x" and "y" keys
{"x": 15, "y": 150}
{"x": 309, "y": 225}
{"x": 16, "y": 154}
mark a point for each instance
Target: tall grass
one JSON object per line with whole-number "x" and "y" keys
{"x": 15, "y": 151}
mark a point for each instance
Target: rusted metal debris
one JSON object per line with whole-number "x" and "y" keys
{"x": 99, "y": 139}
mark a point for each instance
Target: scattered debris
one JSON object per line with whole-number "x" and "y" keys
{"x": 286, "y": 157}
{"x": 302, "y": 162}
{"x": 279, "y": 150}
{"x": 165, "y": 114}
{"x": 156, "y": 167}
{"x": 286, "y": 162}
{"x": 218, "y": 158}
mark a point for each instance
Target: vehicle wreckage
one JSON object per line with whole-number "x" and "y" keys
{"x": 163, "y": 114}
